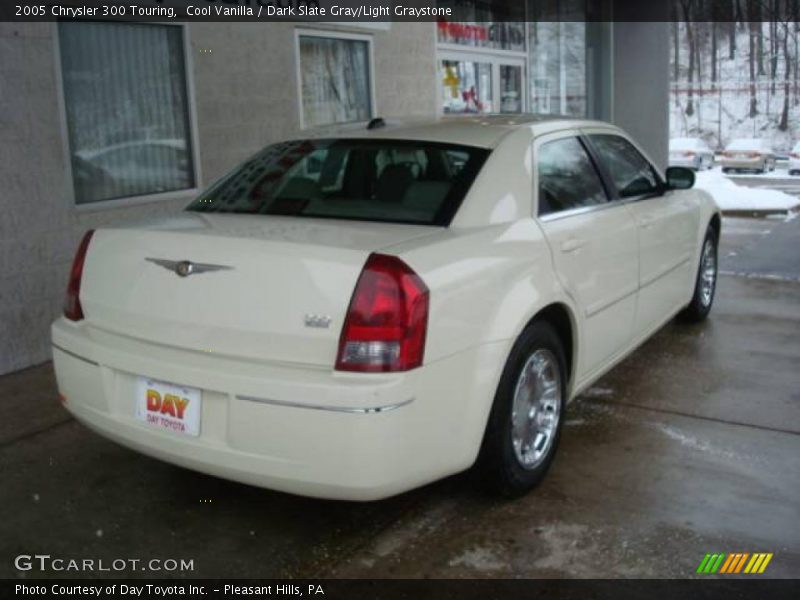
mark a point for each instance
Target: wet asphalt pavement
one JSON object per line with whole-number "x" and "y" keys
{"x": 692, "y": 445}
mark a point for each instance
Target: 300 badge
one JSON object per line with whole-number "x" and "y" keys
{"x": 168, "y": 406}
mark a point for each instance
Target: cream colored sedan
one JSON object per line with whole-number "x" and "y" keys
{"x": 354, "y": 316}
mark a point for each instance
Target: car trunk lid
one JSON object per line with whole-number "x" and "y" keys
{"x": 262, "y": 288}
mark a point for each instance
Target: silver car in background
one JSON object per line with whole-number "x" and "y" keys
{"x": 692, "y": 153}
{"x": 748, "y": 154}
{"x": 794, "y": 160}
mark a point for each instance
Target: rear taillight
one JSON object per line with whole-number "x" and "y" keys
{"x": 754, "y": 155}
{"x": 72, "y": 303}
{"x": 794, "y": 155}
{"x": 688, "y": 154}
{"x": 387, "y": 319}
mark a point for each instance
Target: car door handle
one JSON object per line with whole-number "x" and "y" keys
{"x": 572, "y": 245}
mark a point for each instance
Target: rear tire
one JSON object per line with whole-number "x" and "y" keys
{"x": 524, "y": 425}
{"x": 705, "y": 283}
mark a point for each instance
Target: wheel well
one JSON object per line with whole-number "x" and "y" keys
{"x": 559, "y": 317}
{"x": 716, "y": 224}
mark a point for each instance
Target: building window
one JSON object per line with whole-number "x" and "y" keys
{"x": 558, "y": 68}
{"x": 466, "y": 87}
{"x": 335, "y": 79}
{"x": 127, "y": 109}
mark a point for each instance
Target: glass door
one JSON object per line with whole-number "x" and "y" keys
{"x": 511, "y": 88}
{"x": 476, "y": 83}
{"x": 467, "y": 87}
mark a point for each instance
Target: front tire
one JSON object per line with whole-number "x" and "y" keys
{"x": 705, "y": 282}
{"x": 524, "y": 425}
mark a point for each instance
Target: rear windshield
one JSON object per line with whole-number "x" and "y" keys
{"x": 368, "y": 180}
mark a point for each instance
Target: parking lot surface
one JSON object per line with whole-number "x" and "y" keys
{"x": 690, "y": 446}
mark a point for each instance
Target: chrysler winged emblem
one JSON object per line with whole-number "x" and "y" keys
{"x": 184, "y": 268}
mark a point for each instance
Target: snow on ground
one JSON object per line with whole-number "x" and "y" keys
{"x": 730, "y": 196}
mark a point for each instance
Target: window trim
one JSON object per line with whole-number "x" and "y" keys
{"x": 337, "y": 35}
{"x": 606, "y": 174}
{"x": 191, "y": 106}
{"x": 571, "y": 212}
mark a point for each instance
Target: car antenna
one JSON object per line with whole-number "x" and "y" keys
{"x": 376, "y": 123}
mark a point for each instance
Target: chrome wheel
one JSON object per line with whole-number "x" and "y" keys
{"x": 537, "y": 409}
{"x": 708, "y": 272}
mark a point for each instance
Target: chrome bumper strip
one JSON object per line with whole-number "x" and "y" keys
{"x": 341, "y": 409}
{"x": 72, "y": 354}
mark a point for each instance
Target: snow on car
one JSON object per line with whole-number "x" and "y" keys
{"x": 748, "y": 155}
{"x": 692, "y": 153}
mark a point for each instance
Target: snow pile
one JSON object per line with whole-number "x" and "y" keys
{"x": 730, "y": 196}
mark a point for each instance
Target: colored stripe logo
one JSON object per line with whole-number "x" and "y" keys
{"x": 737, "y": 562}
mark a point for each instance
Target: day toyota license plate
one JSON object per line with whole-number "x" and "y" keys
{"x": 168, "y": 406}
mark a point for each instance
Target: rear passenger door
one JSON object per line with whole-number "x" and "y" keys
{"x": 593, "y": 243}
{"x": 667, "y": 222}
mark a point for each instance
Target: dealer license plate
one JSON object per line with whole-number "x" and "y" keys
{"x": 168, "y": 406}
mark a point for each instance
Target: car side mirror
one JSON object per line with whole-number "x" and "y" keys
{"x": 680, "y": 178}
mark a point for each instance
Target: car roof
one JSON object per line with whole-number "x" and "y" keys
{"x": 485, "y": 131}
{"x": 749, "y": 142}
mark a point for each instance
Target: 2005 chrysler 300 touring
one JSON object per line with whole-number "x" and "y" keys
{"x": 352, "y": 317}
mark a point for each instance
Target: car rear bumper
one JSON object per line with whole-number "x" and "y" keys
{"x": 296, "y": 429}
{"x": 731, "y": 163}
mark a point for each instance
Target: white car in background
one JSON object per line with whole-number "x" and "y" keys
{"x": 794, "y": 160}
{"x": 748, "y": 154}
{"x": 354, "y": 316}
{"x": 692, "y": 153}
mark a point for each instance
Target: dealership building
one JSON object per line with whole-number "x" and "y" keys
{"x": 109, "y": 122}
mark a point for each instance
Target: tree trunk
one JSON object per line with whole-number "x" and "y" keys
{"x": 760, "y": 40}
{"x": 784, "y": 122}
{"x": 773, "y": 43}
{"x": 796, "y": 66}
{"x": 795, "y": 34}
{"x": 692, "y": 54}
{"x": 713, "y": 53}
{"x": 752, "y": 65}
{"x": 676, "y": 52}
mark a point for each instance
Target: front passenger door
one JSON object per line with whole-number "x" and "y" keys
{"x": 594, "y": 247}
{"x": 667, "y": 224}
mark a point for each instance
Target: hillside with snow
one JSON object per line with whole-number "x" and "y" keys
{"x": 717, "y": 106}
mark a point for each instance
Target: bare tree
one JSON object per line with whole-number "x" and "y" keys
{"x": 759, "y": 29}
{"x": 713, "y": 54}
{"x": 676, "y": 51}
{"x": 687, "y": 17}
{"x": 773, "y": 44}
{"x": 751, "y": 59}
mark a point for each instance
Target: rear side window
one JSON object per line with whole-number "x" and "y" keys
{"x": 367, "y": 180}
{"x": 567, "y": 177}
{"x": 631, "y": 172}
